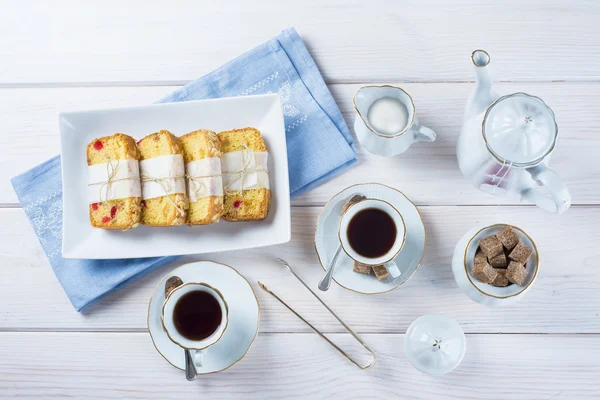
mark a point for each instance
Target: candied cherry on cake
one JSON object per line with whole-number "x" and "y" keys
{"x": 95, "y": 206}
{"x": 237, "y": 203}
{"x": 113, "y": 212}
{"x": 105, "y": 219}
{"x": 98, "y": 145}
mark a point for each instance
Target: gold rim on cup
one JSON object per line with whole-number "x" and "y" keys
{"x": 162, "y": 314}
{"x": 403, "y": 237}
{"x": 537, "y": 264}
{"x": 424, "y": 237}
{"x": 402, "y": 132}
{"x": 171, "y": 274}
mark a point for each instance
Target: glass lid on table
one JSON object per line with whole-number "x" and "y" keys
{"x": 520, "y": 129}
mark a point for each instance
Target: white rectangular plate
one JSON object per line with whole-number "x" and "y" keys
{"x": 77, "y": 129}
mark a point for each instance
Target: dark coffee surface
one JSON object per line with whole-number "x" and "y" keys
{"x": 197, "y": 315}
{"x": 372, "y": 233}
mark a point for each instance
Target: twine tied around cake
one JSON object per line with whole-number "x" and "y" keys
{"x": 111, "y": 171}
{"x": 165, "y": 184}
{"x": 197, "y": 182}
{"x": 246, "y": 160}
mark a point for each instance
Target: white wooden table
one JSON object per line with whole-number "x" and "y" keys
{"x": 77, "y": 55}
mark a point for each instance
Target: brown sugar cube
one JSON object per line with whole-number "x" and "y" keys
{"x": 501, "y": 279}
{"x": 521, "y": 253}
{"x": 361, "y": 268}
{"x": 484, "y": 273}
{"x": 499, "y": 261}
{"x": 480, "y": 257}
{"x": 380, "y": 272}
{"x": 508, "y": 237}
{"x": 516, "y": 273}
{"x": 491, "y": 246}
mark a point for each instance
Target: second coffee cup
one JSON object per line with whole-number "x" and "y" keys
{"x": 373, "y": 232}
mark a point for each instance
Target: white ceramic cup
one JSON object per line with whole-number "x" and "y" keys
{"x": 388, "y": 258}
{"x": 198, "y": 347}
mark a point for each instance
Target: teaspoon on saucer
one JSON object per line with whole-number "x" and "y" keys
{"x": 325, "y": 282}
{"x": 190, "y": 368}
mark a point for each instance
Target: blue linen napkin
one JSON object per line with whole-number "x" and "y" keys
{"x": 318, "y": 140}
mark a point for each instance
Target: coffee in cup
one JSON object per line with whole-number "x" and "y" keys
{"x": 195, "y": 316}
{"x": 373, "y": 232}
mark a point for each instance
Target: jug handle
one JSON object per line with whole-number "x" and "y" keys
{"x": 424, "y": 134}
{"x": 558, "y": 200}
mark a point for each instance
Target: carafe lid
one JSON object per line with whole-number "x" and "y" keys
{"x": 519, "y": 129}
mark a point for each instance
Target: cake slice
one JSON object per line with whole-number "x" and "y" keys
{"x": 113, "y": 182}
{"x": 245, "y": 184}
{"x": 164, "y": 198}
{"x": 202, "y": 157}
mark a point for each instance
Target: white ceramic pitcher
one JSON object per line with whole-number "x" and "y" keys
{"x": 505, "y": 144}
{"x": 387, "y": 144}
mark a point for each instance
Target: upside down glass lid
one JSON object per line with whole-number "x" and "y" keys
{"x": 520, "y": 129}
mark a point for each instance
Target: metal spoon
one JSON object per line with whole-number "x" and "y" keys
{"x": 190, "y": 368}
{"x": 325, "y": 282}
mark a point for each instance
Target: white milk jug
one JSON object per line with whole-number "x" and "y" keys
{"x": 386, "y": 122}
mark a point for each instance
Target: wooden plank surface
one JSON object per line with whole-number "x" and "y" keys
{"x": 73, "y": 55}
{"x": 564, "y": 299}
{"x": 428, "y": 172}
{"x": 69, "y": 41}
{"x": 297, "y": 366}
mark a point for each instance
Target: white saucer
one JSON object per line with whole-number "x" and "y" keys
{"x": 244, "y": 316}
{"x": 408, "y": 260}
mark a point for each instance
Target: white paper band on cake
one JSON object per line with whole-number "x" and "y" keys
{"x": 204, "y": 178}
{"x": 162, "y": 176}
{"x": 243, "y": 170}
{"x": 116, "y": 179}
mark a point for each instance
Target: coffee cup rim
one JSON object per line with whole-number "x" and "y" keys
{"x": 212, "y": 341}
{"x": 377, "y": 262}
